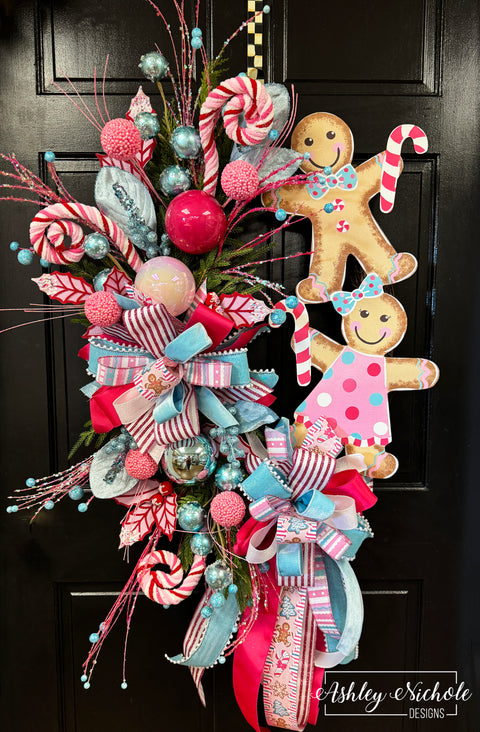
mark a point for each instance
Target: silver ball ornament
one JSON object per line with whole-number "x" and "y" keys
{"x": 174, "y": 180}
{"x": 228, "y": 477}
{"x": 147, "y": 124}
{"x": 217, "y": 575}
{"x": 201, "y": 544}
{"x": 189, "y": 461}
{"x": 100, "y": 278}
{"x": 96, "y": 246}
{"x": 185, "y": 142}
{"x": 191, "y": 516}
{"x": 153, "y": 65}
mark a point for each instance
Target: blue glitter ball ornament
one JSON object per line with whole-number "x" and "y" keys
{"x": 99, "y": 279}
{"x": 44, "y": 262}
{"x": 206, "y": 612}
{"x": 273, "y": 134}
{"x": 30, "y": 482}
{"x": 93, "y": 637}
{"x": 196, "y": 32}
{"x": 217, "y": 575}
{"x": 25, "y": 256}
{"x": 174, "y": 180}
{"x": 217, "y": 600}
{"x": 96, "y": 246}
{"x": 153, "y": 65}
{"x": 329, "y": 207}
{"x": 291, "y": 302}
{"x": 222, "y": 660}
{"x": 196, "y": 43}
{"x": 233, "y": 589}
{"x": 124, "y": 685}
{"x": 266, "y": 9}
{"x": 82, "y": 507}
{"x": 14, "y": 245}
{"x": 201, "y": 544}
{"x": 228, "y": 477}
{"x": 76, "y": 493}
{"x": 147, "y": 124}
{"x": 327, "y": 170}
{"x": 83, "y": 677}
{"x": 281, "y": 214}
{"x": 191, "y": 516}
{"x": 278, "y": 317}
{"x": 49, "y": 156}
{"x": 185, "y": 142}
{"x": 49, "y": 505}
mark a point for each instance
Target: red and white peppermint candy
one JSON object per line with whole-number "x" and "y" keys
{"x": 50, "y": 226}
{"x": 391, "y": 163}
{"x": 342, "y": 226}
{"x": 237, "y": 96}
{"x": 168, "y": 588}
{"x": 338, "y": 204}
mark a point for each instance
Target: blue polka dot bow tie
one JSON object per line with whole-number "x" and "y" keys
{"x": 320, "y": 183}
{"x": 344, "y": 302}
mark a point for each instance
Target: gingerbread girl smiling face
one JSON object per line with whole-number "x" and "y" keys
{"x": 353, "y": 393}
{"x": 336, "y": 200}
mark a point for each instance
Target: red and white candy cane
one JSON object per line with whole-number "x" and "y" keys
{"x": 49, "y": 227}
{"x": 168, "y": 588}
{"x": 391, "y": 163}
{"x": 235, "y": 96}
{"x": 301, "y": 336}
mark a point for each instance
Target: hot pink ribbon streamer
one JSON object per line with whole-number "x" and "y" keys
{"x": 249, "y": 657}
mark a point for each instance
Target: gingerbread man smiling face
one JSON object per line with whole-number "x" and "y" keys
{"x": 336, "y": 200}
{"x": 353, "y": 393}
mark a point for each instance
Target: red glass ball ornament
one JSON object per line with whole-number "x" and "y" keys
{"x": 121, "y": 139}
{"x": 165, "y": 488}
{"x": 195, "y": 222}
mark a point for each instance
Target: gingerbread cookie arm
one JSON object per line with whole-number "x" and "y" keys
{"x": 370, "y": 174}
{"x": 410, "y": 373}
{"x": 324, "y": 351}
{"x": 293, "y": 199}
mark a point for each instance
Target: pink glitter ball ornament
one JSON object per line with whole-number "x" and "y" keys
{"x": 227, "y": 509}
{"x": 121, "y": 139}
{"x": 101, "y": 308}
{"x": 139, "y": 465}
{"x": 239, "y": 180}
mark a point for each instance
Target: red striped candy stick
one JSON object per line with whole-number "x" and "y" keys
{"x": 236, "y": 96}
{"x": 301, "y": 337}
{"x": 49, "y": 227}
{"x": 168, "y": 588}
{"x": 391, "y": 163}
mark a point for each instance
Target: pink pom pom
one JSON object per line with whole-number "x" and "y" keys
{"x": 239, "y": 180}
{"x": 139, "y": 465}
{"x": 227, "y": 509}
{"x": 121, "y": 139}
{"x": 101, "y": 308}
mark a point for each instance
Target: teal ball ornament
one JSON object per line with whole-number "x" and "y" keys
{"x": 174, "y": 180}
{"x": 217, "y": 600}
{"x": 153, "y": 65}
{"x": 196, "y": 42}
{"x": 147, "y": 124}
{"x": 228, "y": 477}
{"x": 217, "y": 575}
{"x": 25, "y": 256}
{"x": 191, "y": 516}
{"x": 185, "y": 142}
{"x": 96, "y": 246}
{"x": 100, "y": 279}
{"x": 201, "y": 544}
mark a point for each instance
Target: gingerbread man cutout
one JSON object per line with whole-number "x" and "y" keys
{"x": 353, "y": 393}
{"x": 336, "y": 200}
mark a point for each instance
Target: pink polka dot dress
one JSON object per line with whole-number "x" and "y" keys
{"x": 353, "y": 397}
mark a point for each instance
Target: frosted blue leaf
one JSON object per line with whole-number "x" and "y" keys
{"x": 108, "y": 202}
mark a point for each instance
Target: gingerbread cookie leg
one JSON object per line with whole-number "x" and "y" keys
{"x": 327, "y": 270}
{"x": 375, "y": 253}
{"x": 380, "y": 464}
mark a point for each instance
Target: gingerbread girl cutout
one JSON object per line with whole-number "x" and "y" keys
{"x": 336, "y": 200}
{"x": 353, "y": 393}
